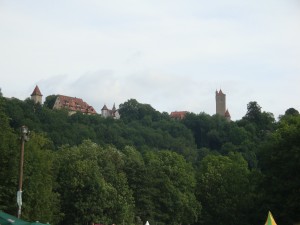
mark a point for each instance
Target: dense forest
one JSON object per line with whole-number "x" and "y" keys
{"x": 202, "y": 170}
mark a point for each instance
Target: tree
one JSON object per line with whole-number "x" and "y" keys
{"x": 223, "y": 189}
{"x": 50, "y": 100}
{"x": 133, "y": 110}
{"x": 9, "y": 164}
{"x": 253, "y": 112}
{"x": 93, "y": 186}
{"x": 40, "y": 200}
{"x": 280, "y": 163}
{"x": 200, "y": 125}
{"x": 264, "y": 122}
{"x": 171, "y": 185}
{"x": 140, "y": 183}
{"x": 291, "y": 112}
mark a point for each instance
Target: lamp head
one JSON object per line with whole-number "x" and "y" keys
{"x": 24, "y": 130}
{"x": 25, "y": 133}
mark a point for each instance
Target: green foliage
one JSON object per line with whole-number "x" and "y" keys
{"x": 224, "y": 189}
{"x": 174, "y": 201}
{"x": 85, "y": 168}
{"x": 133, "y": 110}
{"x": 41, "y": 202}
{"x": 50, "y": 100}
{"x": 280, "y": 162}
{"x": 9, "y": 162}
{"x": 264, "y": 122}
{"x": 93, "y": 186}
{"x": 291, "y": 112}
{"x": 135, "y": 169}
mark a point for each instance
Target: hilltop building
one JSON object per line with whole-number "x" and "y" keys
{"x": 73, "y": 105}
{"x": 220, "y": 108}
{"x": 36, "y": 95}
{"x": 221, "y": 105}
{"x": 178, "y": 115}
{"x": 65, "y": 102}
{"x": 114, "y": 113}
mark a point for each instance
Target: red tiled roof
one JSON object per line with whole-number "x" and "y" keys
{"x": 75, "y": 104}
{"x": 227, "y": 114}
{"x": 36, "y": 91}
{"x": 178, "y": 115}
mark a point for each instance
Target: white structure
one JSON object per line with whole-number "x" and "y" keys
{"x": 114, "y": 113}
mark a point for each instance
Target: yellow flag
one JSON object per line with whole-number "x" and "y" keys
{"x": 270, "y": 220}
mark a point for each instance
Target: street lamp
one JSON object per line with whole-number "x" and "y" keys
{"x": 24, "y": 137}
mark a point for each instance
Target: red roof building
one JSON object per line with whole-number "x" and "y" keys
{"x": 178, "y": 115}
{"x": 73, "y": 105}
{"x": 36, "y": 91}
{"x": 36, "y": 95}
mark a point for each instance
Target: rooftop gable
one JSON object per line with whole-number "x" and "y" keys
{"x": 36, "y": 91}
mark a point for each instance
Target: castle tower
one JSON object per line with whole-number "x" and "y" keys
{"x": 220, "y": 103}
{"x": 105, "y": 112}
{"x": 36, "y": 95}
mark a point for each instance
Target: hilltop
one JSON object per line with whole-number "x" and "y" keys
{"x": 148, "y": 166}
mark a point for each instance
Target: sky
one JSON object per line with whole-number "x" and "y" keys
{"x": 171, "y": 54}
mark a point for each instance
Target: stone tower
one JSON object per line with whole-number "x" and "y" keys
{"x": 105, "y": 112}
{"x": 36, "y": 95}
{"x": 220, "y": 103}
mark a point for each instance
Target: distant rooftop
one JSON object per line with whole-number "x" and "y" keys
{"x": 178, "y": 115}
{"x": 36, "y": 91}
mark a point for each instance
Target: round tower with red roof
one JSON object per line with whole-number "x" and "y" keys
{"x": 36, "y": 95}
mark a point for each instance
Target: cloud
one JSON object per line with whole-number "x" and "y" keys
{"x": 170, "y": 55}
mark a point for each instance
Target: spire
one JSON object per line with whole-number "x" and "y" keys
{"x": 114, "y": 108}
{"x": 227, "y": 115}
{"x": 36, "y": 91}
{"x": 104, "y": 107}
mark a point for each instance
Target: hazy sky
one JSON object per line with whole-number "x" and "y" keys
{"x": 171, "y": 54}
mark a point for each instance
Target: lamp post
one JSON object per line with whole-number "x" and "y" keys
{"x": 24, "y": 137}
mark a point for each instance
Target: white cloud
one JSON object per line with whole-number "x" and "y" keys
{"x": 172, "y": 55}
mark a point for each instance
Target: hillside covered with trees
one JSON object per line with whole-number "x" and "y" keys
{"x": 202, "y": 170}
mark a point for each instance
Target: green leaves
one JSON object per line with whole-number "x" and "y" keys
{"x": 9, "y": 164}
{"x": 93, "y": 185}
{"x": 81, "y": 168}
{"x": 173, "y": 180}
{"x": 280, "y": 162}
{"x": 40, "y": 200}
{"x": 223, "y": 189}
